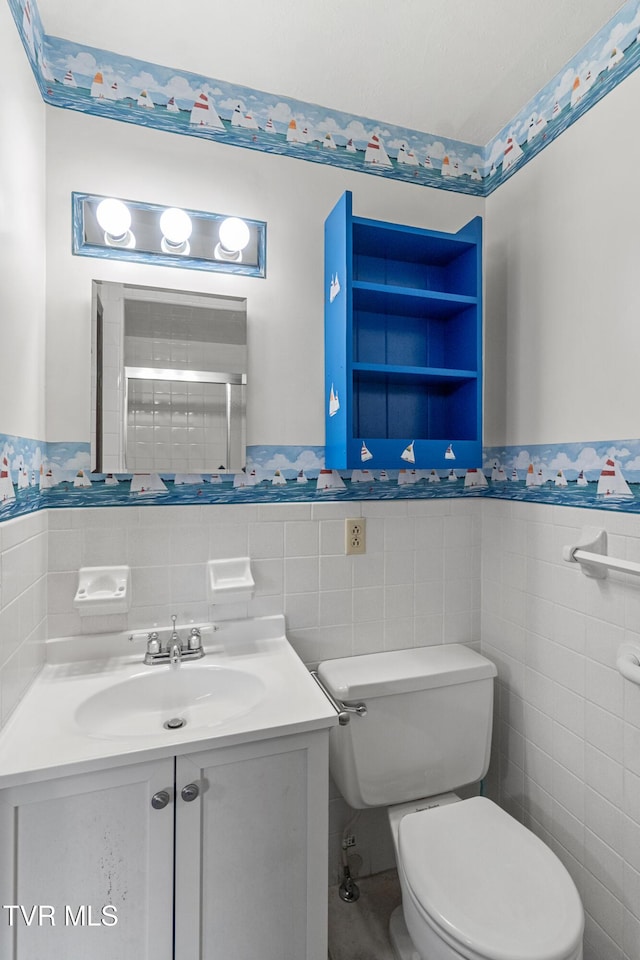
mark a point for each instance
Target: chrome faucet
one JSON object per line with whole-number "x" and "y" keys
{"x": 175, "y": 651}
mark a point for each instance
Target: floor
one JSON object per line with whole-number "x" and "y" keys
{"x": 360, "y": 930}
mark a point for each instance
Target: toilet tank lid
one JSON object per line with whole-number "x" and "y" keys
{"x": 402, "y": 671}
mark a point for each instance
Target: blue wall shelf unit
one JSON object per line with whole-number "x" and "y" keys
{"x": 403, "y": 344}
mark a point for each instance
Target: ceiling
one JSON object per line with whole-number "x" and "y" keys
{"x": 457, "y": 68}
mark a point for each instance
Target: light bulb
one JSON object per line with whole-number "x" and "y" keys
{"x": 114, "y": 217}
{"x": 176, "y": 226}
{"x": 234, "y": 234}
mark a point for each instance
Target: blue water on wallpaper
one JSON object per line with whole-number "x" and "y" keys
{"x": 127, "y": 109}
{"x": 64, "y": 495}
{"x": 159, "y": 118}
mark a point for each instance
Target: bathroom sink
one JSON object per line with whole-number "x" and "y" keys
{"x": 164, "y": 698}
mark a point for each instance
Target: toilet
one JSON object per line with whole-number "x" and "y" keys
{"x": 475, "y": 883}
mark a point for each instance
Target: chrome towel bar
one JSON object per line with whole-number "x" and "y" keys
{"x": 344, "y": 710}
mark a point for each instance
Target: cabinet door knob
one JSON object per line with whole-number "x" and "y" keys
{"x": 160, "y": 799}
{"x": 190, "y": 792}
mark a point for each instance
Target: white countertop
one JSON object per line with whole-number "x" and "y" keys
{"x": 43, "y": 739}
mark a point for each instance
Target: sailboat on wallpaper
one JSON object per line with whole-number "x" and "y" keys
{"x": 144, "y": 100}
{"x": 204, "y": 114}
{"x": 149, "y": 483}
{"x": 405, "y": 155}
{"x": 474, "y": 478}
{"x": 6, "y": 486}
{"x": 376, "y": 153}
{"x": 81, "y": 479}
{"x": 408, "y": 453}
{"x": 611, "y": 482}
{"x": 23, "y": 476}
{"x": 329, "y": 480}
{"x": 497, "y": 473}
{"x": 531, "y": 480}
{"x": 46, "y": 478}
{"x": 512, "y": 153}
{"x": 362, "y": 476}
{"x": 98, "y": 87}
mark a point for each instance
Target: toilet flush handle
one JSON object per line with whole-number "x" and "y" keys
{"x": 359, "y": 708}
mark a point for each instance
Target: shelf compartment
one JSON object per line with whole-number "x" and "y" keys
{"x": 432, "y": 405}
{"x": 408, "y": 301}
{"x": 421, "y": 341}
{"x": 410, "y": 257}
{"x": 411, "y": 374}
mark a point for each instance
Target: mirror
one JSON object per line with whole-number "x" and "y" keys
{"x": 169, "y": 373}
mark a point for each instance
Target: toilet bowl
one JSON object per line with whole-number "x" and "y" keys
{"x": 477, "y": 885}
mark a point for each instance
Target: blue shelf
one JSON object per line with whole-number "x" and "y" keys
{"x": 375, "y": 371}
{"x": 403, "y": 342}
{"x": 408, "y": 301}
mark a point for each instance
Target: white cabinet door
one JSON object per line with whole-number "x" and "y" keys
{"x": 74, "y": 846}
{"x": 251, "y": 851}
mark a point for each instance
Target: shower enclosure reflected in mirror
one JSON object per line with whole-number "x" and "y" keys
{"x": 169, "y": 373}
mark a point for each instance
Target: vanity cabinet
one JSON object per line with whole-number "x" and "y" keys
{"x": 233, "y": 865}
{"x": 403, "y": 344}
{"x": 88, "y": 841}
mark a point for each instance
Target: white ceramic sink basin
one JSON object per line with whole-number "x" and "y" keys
{"x": 201, "y": 695}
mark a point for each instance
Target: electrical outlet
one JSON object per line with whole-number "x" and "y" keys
{"x": 355, "y": 536}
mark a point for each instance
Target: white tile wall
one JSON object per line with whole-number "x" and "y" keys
{"x": 177, "y": 426}
{"x": 418, "y": 583}
{"x": 566, "y": 756}
{"x": 23, "y": 606}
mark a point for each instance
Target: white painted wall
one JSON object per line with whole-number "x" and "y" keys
{"x": 562, "y": 257}
{"x": 22, "y": 240}
{"x": 285, "y": 311}
{"x": 561, "y": 354}
{"x": 23, "y": 547}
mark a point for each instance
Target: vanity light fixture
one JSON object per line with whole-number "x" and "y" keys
{"x": 115, "y": 219}
{"x": 177, "y": 227}
{"x": 234, "y": 236}
{"x": 113, "y": 228}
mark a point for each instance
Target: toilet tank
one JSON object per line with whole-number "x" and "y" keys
{"x": 427, "y": 729}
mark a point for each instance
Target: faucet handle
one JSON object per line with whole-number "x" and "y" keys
{"x": 153, "y": 642}
{"x": 195, "y": 639}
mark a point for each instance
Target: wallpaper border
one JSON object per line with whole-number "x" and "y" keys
{"x": 102, "y": 83}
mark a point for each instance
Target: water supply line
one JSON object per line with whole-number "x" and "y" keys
{"x": 348, "y": 889}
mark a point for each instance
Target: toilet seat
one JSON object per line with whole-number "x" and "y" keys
{"x": 488, "y": 886}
